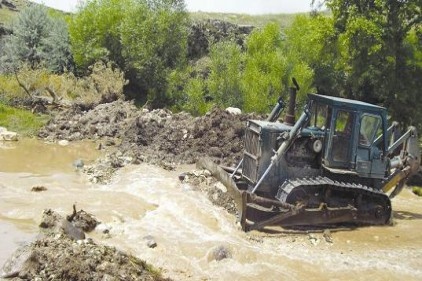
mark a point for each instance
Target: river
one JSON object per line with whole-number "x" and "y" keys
{"x": 146, "y": 200}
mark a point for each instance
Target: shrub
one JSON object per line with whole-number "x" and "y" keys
{"x": 104, "y": 84}
{"x": 36, "y": 39}
{"x": 224, "y": 80}
{"x": 146, "y": 38}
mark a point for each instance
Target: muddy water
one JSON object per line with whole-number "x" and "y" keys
{"x": 146, "y": 200}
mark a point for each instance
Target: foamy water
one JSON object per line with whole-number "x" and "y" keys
{"x": 146, "y": 200}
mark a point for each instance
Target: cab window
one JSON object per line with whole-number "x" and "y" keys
{"x": 370, "y": 125}
{"x": 320, "y": 116}
{"x": 344, "y": 123}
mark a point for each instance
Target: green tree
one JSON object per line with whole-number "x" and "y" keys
{"x": 56, "y": 49}
{"x": 154, "y": 41}
{"x": 269, "y": 67}
{"x": 145, "y": 38}
{"x": 37, "y": 39}
{"x": 224, "y": 80}
{"x": 376, "y": 54}
{"x": 313, "y": 40}
{"x": 95, "y": 32}
{"x": 25, "y": 44}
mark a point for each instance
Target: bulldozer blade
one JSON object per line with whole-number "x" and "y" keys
{"x": 221, "y": 175}
{"x": 256, "y": 212}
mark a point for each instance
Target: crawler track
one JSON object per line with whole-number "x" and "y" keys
{"x": 366, "y": 205}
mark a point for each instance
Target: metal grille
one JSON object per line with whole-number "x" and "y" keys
{"x": 252, "y": 153}
{"x": 250, "y": 169}
{"x": 252, "y": 142}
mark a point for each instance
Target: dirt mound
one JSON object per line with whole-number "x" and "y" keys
{"x": 160, "y": 136}
{"x": 157, "y": 136}
{"x": 57, "y": 255}
{"x": 76, "y": 123}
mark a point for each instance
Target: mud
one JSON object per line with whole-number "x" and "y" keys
{"x": 132, "y": 136}
{"x": 59, "y": 255}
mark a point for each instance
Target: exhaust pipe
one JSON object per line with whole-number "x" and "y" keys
{"x": 290, "y": 115}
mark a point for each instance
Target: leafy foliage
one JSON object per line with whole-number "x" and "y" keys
{"x": 104, "y": 84}
{"x": 37, "y": 39}
{"x": 146, "y": 39}
{"x": 95, "y": 32}
{"x": 250, "y": 79}
{"x": 269, "y": 66}
{"x": 224, "y": 80}
{"x": 376, "y": 56}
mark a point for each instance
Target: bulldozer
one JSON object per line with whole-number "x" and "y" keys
{"x": 339, "y": 163}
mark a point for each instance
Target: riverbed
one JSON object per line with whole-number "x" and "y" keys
{"x": 145, "y": 200}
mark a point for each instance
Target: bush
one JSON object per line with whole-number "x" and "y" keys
{"x": 147, "y": 39}
{"x": 37, "y": 39}
{"x": 224, "y": 80}
{"x": 104, "y": 84}
{"x": 269, "y": 67}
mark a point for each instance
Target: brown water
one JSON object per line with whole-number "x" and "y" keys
{"x": 146, "y": 200}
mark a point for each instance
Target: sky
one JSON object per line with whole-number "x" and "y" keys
{"x": 223, "y": 6}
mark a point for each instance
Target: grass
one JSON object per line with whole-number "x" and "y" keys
{"x": 284, "y": 20}
{"x": 7, "y": 15}
{"x": 21, "y": 121}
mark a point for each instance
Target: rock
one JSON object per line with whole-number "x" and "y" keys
{"x": 8, "y": 136}
{"x": 78, "y": 164}
{"x": 49, "y": 219}
{"x": 63, "y": 142}
{"x": 38, "y": 188}
{"x": 313, "y": 239}
{"x": 72, "y": 231}
{"x": 203, "y": 33}
{"x": 150, "y": 241}
{"x": 14, "y": 264}
{"x": 54, "y": 223}
{"x": 182, "y": 176}
{"x": 220, "y": 186}
{"x": 327, "y": 236}
{"x": 234, "y": 110}
{"x": 83, "y": 220}
{"x": 219, "y": 253}
{"x": 9, "y": 5}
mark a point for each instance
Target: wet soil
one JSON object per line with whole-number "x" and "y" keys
{"x": 158, "y": 136}
{"x": 61, "y": 252}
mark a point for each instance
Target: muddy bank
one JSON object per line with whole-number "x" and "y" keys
{"x": 62, "y": 252}
{"x": 158, "y": 136}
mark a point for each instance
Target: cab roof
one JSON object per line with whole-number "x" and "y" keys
{"x": 346, "y": 103}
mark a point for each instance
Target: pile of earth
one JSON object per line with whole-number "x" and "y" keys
{"x": 61, "y": 252}
{"x": 153, "y": 136}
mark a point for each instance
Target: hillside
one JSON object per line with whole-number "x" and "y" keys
{"x": 9, "y": 9}
{"x": 284, "y": 20}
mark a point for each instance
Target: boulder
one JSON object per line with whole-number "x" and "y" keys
{"x": 63, "y": 142}
{"x": 234, "y": 110}
{"x": 219, "y": 253}
{"x": 6, "y": 135}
